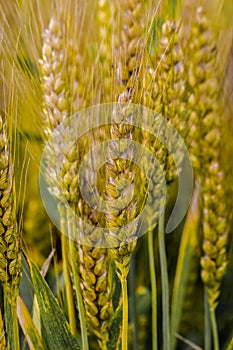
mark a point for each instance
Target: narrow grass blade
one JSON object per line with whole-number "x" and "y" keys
{"x": 35, "y": 307}
{"x": 115, "y": 329}
{"x": 58, "y": 334}
{"x": 188, "y": 342}
{"x": 230, "y": 346}
{"x": 153, "y": 290}
{"x": 165, "y": 284}
{"x": 207, "y": 327}
{"x": 188, "y": 243}
{"x": 133, "y": 303}
{"x": 29, "y": 329}
{"x": 11, "y": 321}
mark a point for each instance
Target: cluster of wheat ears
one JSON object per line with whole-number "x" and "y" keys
{"x": 58, "y": 58}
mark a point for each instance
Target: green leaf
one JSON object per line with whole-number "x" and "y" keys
{"x": 11, "y": 321}
{"x": 230, "y": 346}
{"x": 187, "y": 245}
{"x": 55, "y": 325}
{"x": 29, "y": 329}
{"x": 114, "y": 330}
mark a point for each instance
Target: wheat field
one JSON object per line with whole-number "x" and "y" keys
{"x": 116, "y": 174}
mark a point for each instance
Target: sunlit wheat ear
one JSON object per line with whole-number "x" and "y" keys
{"x": 163, "y": 89}
{"x": 53, "y": 79}
{"x": 207, "y": 118}
{"x": 92, "y": 263}
{"x": 53, "y": 76}
{"x": 10, "y": 262}
{"x": 126, "y": 68}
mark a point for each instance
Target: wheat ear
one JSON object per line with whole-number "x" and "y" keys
{"x": 91, "y": 263}
{"x": 53, "y": 70}
{"x": 207, "y": 115}
{"x": 10, "y": 271}
{"x": 10, "y": 240}
{"x": 126, "y": 69}
{"x": 92, "y": 278}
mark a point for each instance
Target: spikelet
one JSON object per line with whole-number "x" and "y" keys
{"x": 104, "y": 18}
{"x": 10, "y": 258}
{"x": 207, "y": 115}
{"x": 128, "y": 50}
{"x": 78, "y": 98}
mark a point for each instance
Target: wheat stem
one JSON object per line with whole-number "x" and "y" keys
{"x": 76, "y": 280}
{"x": 69, "y": 291}
{"x": 125, "y": 313}
{"x": 153, "y": 290}
{"x": 133, "y": 302}
{"x": 165, "y": 284}
{"x": 15, "y": 327}
{"x": 214, "y": 329}
{"x": 11, "y": 320}
{"x": 81, "y": 311}
{"x": 207, "y": 334}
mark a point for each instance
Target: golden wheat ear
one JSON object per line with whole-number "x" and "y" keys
{"x": 10, "y": 239}
{"x": 10, "y": 270}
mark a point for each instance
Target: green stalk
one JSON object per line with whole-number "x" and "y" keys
{"x": 214, "y": 329}
{"x": 133, "y": 302}
{"x": 207, "y": 334}
{"x": 15, "y": 328}
{"x": 82, "y": 318}
{"x": 165, "y": 285}
{"x": 11, "y": 321}
{"x": 153, "y": 290}
{"x": 125, "y": 313}
{"x": 66, "y": 274}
